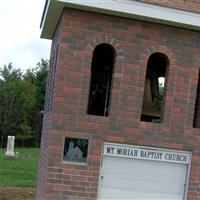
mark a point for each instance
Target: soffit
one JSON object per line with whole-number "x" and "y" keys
{"x": 125, "y": 8}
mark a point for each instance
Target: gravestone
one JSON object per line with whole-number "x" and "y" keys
{"x": 10, "y": 146}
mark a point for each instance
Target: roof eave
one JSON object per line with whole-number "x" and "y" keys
{"x": 141, "y": 11}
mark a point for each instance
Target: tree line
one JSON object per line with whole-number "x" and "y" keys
{"x": 22, "y": 98}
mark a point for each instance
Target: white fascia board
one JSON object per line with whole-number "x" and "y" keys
{"x": 125, "y": 8}
{"x": 50, "y": 18}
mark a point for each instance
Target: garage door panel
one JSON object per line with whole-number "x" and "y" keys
{"x": 141, "y": 179}
{"x": 150, "y": 186}
{"x": 116, "y": 194}
{"x": 144, "y": 176}
{"x": 143, "y": 173}
{"x": 125, "y": 178}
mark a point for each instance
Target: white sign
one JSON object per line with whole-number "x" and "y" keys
{"x": 144, "y": 153}
{"x": 10, "y": 146}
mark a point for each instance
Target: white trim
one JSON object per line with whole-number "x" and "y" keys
{"x": 44, "y": 14}
{"x": 142, "y": 9}
{"x": 125, "y": 8}
{"x": 146, "y": 153}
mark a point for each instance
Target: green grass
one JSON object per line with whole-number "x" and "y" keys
{"x": 21, "y": 170}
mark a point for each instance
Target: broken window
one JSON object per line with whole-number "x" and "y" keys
{"x": 101, "y": 78}
{"x": 196, "y": 120}
{"x": 154, "y": 87}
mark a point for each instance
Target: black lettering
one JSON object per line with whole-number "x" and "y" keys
{"x": 178, "y": 158}
{"x": 130, "y": 152}
{"x": 149, "y": 154}
{"x": 142, "y": 154}
{"x": 119, "y": 151}
{"x": 110, "y": 150}
{"x": 184, "y": 158}
{"x": 125, "y": 152}
{"x": 135, "y": 153}
{"x": 167, "y": 156}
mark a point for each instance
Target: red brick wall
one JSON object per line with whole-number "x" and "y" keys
{"x": 189, "y": 5}
{"x": 77, "y": 35}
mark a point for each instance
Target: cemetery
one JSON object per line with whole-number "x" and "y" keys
{"x": 18, "y": 172}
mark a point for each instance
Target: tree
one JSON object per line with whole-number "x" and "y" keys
{"x": 41, "y": 80}
{"x": 38, "y": 76}
{"x": 16, "y": 100}
{"x": 22, "y": 102}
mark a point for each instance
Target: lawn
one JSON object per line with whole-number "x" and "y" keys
{"x": 21, "y": 170}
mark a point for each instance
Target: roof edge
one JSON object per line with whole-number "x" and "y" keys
{"x": 123, "y": 8}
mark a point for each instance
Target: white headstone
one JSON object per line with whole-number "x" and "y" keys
{"x": 10, "y": 146}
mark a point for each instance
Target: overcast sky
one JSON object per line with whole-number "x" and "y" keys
{"x": 20, "y": 41}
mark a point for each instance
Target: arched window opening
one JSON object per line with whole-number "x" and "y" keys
{"x": 101, "y": 78}
{"x": 196, "y": 119}
{"x": 154, "y": 87}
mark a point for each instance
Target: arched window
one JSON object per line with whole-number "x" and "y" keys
{"x": 154, "y": 87}
{"x": 196, "y": 119}
{"x": 101, "y": 79}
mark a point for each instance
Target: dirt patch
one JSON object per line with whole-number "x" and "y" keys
{"x": 16, "y": 193}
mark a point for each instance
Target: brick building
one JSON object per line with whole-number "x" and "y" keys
{"x": 121, "y": 116}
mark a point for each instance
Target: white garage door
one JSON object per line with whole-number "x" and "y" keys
{"x": 123, "y": 177}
